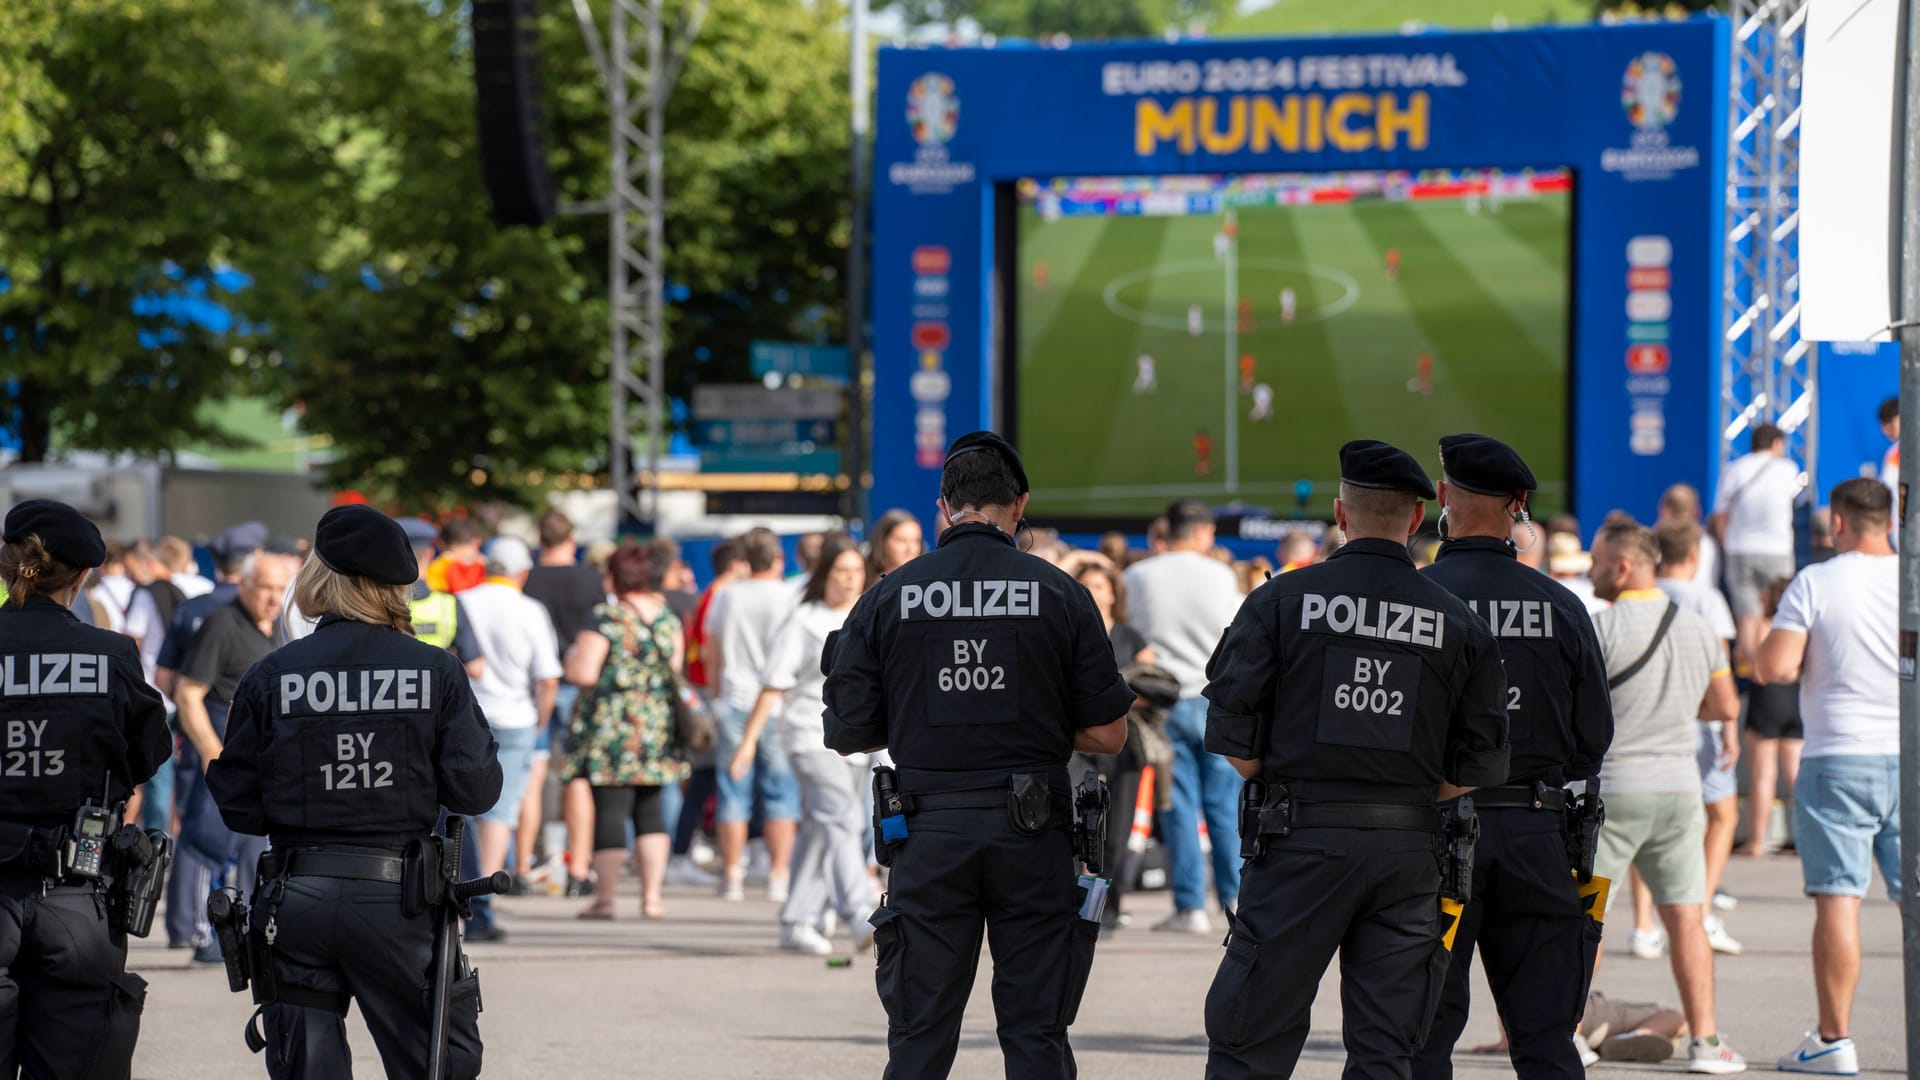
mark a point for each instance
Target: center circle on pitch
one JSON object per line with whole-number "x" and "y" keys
{"x": 1309, "y": 312}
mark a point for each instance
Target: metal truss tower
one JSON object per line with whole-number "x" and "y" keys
{"x": 1768, "y": 373}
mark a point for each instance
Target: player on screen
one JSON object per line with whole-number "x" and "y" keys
{"x": 1040, "y": 276}
{"x": 1202, "y": 453}
{"x": 1221, "y": 243}
{"x": 1393, "y": 263}
{"x": 1196, "y": 320}
{"x": 1246, "y": 315}
{"x": 1246, "y": 373}
{"x": 1423, "y": 381}
{"x": 1287, "y": 305}
{"x": 1262, "y": 403}
{"x": 1144, "y": 381}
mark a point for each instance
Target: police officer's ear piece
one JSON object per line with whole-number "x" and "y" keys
{"x": 1524, "y": 517}
{"x": 1440, "y": 523}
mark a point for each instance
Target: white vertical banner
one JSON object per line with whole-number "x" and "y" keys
{"x": 1847, "y": 140}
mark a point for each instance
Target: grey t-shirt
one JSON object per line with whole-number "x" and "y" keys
{"x": 742, "y": 621}
{"x": 1656, "y": 713}
{"x": 1182, "y": 601}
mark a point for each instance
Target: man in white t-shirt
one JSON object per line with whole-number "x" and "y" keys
{"x": 740, "y": 629}
{"x": 1182, "y": 601}
{"x": 516, "y": 690}
{"x": 1837, "y": 632}
{"x": 1753, "y": 516}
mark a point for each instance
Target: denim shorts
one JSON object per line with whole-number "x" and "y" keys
{"x": 1715, "y": 783}
{"x": 771, "y": 776}
{"x": 516, "y": 761}
{"x": 1846, "y": 817}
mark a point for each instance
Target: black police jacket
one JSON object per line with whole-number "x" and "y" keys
{"x": 1362, "y": 679}
{"x": 79, "y": 721}
{"x": 355, "y": 734}
{"x": 973, "y": 657}
{"x": 1559, "y": 715}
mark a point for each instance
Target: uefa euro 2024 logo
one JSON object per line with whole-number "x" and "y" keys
{"x": 1650, "y": 91}
{"x": 933, "y": 109}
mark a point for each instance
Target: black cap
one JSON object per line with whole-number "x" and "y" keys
{"x": 65, "y": 532}
{"x": 1484, "y": 465}
{"x": 1370, "y": 463}
{"x": 360, "y": 541}
{"x": 280, "y": 544}
{"x": 423, "y": 533}
{"x": 975, "y": 441}
{"x": 242, "y": 539}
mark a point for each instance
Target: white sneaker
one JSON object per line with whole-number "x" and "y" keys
{"x": 1723, "y": 901}
{"x": 1716, "y": 1057}
{"x": 862, "y": 930}
{"x": 828, "y": 924}
{"x": 1637, "y": 1045}
{"x": 1186, "y": 922}
{"x": 1648, "y": 944}
{"x": 1718, "y": 937}
{"x": 681, "y": 870}
{"x": 734, "y": 889}
{"x": 801, "y": 938}
{"x": 1836, "y": 1058}
{"x": 701, "y": 852}
{"x": 777, "y": 887}
{"x": 1587, "y": 1056}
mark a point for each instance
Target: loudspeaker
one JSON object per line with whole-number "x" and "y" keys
{"x": 513, "y": 138}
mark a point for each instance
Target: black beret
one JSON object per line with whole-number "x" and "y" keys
{"x": 360, "y": 541}
{"x": 66, "y": 533}
{"x": 1484, "y": 465}
{"x": 1370, "y": 463}
{"x": 242, "y": 539}
{"x": 976, "y": 441}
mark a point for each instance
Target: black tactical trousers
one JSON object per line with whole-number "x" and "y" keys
{"x": 1373, "y": 895}
{"x": 68, "y": 1005}
{"x": 1536, "y": 942}
{"x": 351, "y": 937}
{"x": 959, "y": 872}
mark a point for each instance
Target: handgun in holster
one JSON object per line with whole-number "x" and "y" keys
{"x": 1584, "y": 818}
{"x": 889, "y": 814}
{"x": 1092, "y": 805}
{"x": 141, "y": 858}
{"x": 1460, "y": 830}
{"x": 228, "y": 915}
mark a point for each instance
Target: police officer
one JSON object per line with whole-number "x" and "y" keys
{"x": 1527, "y": 917}
{"x": 1355, "y": 693}
{"x": 83, "y": 728}
{"x": 341, "y": 748}
{"x": 980, "y": 668}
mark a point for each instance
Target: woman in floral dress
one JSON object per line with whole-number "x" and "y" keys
{"x": 621, "y": 739}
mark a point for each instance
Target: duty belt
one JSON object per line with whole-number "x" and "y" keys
{"x": 1282, "y": 818}
{"x": 1538, "y": 796}
{"x": 989, "y": 799}
{"x": 332, "y": 864}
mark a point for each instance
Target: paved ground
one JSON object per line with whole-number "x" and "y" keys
{"x": 703, "y": 994}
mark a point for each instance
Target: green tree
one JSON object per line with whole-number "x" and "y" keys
{"x": 143, "y": 143}
{"x": 449, "y": 359}
{"x": 1080, "y": 19}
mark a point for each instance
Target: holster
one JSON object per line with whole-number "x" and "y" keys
{"x": 228, "y": 915}
{"x": 1253, "y": 799}
{"x": 1583, "y": 822}
{"x": 140, "y": 861}
{"x": 1091, "y": 803}
{"x": 889, "y": 814}
{"x": 423, "y": 877}
{"x": 1029, "y": 803}
{"x": 1459, "y": 833}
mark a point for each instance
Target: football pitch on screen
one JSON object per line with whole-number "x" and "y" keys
{"x": 1396, "y": 320}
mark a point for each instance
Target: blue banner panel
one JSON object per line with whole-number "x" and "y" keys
{"x": 1636, "y": 112}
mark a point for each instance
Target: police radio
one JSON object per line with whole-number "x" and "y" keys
{"x": 87, "y": 849}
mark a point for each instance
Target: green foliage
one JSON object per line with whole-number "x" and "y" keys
{"x": 1346, "y": 16}
{"x": 1080, "y": 19}
{"x": 478, "y": 368}
{"x": 136, "y": 134}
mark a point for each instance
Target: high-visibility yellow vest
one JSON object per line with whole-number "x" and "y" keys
{"x": 436, "y": 619}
